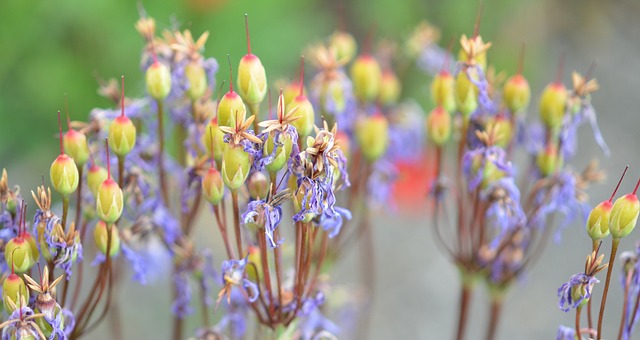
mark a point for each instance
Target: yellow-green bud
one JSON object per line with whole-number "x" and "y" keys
{"x": 490, "y": 173}
{"x": 64, "y": 175}
{"x": 390, "y": 88}
{"x": 158, "y": 78}
{"x": 95, "y": 177}
{"x": 282, "y": 153}
{"x": 443, "y": 91}
{"x": 344, "y": 45}
{"x": 252, "y": 80}
{"x": 122, "y": 135}
{"x": 372, "y": 134}
{"x": 75, "y": 143}
{"x": 19, "y": 253}
{"x": 304, "y": 124}
{"x": 552, "y": 105}
{"x": 227, "y": 108}
{"x": 439, "y": 126}
{"x": 292, "y": 90}
{"x": 212, "y": 186}
{"x": 624, "y": 215}
{"x": 258, "y": 185}
{"x": 197, "y": 78}
{"x": 598, "y": 221}
{"x": 14, "y": 289}
{"x": 366, "y": 76}
{"x": 109, "y": 201}
{"x": 466, "y": 94}
{"x": 213, "y": 132}
{"x": 549, "y": 160}
{"x": 516, "y": 93}
{"x": 100, "y": 236}
{"x": 235, "y": 166}
{"x": 332, "y": 91}
{"x": 255, "y": 258}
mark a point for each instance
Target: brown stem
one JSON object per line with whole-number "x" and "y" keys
{"x": 276, "y": 254}
{"x": 627, "y": 283}
{"x": 236, "y": 221}
{"x": 121, "y": 172}
{"x": 635, "y": 311}
{"x": 223, "y": 232}
{"x": 594, "y": 246}
{"x": 178, "y": 322}
{"x": 614, "y": 249}
{"x": 494, "y": 319}
{"x": 578, "y": 311}
{"x": 266, "y": 273}
{"x": 465, "y": 298}
{"x": 163, "y": 179}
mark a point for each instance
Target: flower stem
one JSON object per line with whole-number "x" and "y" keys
{"x": 594, "y": 247}
{"x": 254, "y": 109}
{"x": 163, "y": 180}
{"x": 627, "y": 283}
{"x": 223, "y": 232}
{"x": 121, "y": 172}
{"x": 614, "y": 249}
{"x": 465, "y": 298}
{"x": 266, "y": 272}
{"x": 65, "y": 211}
{"x": 578, "y": 311}
{"x": 236, "y": 221}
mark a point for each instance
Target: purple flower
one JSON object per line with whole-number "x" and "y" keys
{"x": 475, "y": 162}
{"x": 630, "y": 264}
{"x": 575, "y": 291}
{"x": 210, "y": 66}
{"x": 380, "y": 183}
{"x": 570, "y": 124}
{"x": 406, "y": 133}
{"x": 314, "y": 324}
{"x": 433, "y": 58}
{"x": 262, "y": 214}
{"x": 504, "y": 209}
{"x": 476, "y": 76}
{"x": 181, "y": 306}
{"x": 566, "y": 333}
{"x": 137, "y": 263}
{"x": 233, "y": 274}
{"x": 14, "y": 330}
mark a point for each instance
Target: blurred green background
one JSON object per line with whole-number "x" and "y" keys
{"x": 49, "y": 48}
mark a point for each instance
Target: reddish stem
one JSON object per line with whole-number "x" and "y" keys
{"x": 301, "y": 75}
{"x": 230, "y": 75}
{"x": 476, "y": 25}
{"x": 122, "y": 97}
{"x": 60, "y": 129}
{"x": 106, "y": 144}
{"x": 618, "y": 186}
{"x": 246, "y": 25}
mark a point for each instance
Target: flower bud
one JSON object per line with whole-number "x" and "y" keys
{"x": 304, "y": 124}
{"x": 100, "y": 237}
{"x": 516, "y": 93}
{"x": 344, "y": 45}
{"x": 109, "y": 201}
{"x": 64, "y": 175}
{"x": 390, "y": 88}
{"x": 466, "y": 94}
{"x": 366, "y": 76}
{"x": 235, "y": 166}
{"x": 292, "y": 90}
{"x": 549, "y": 160}
{"x": 197, "y": 79}
{"x": 598, "y": 221}
{"x": 158, "y": 78}
{"x": 439, "y": 126}
{"x": 213, "y": 132}
{"x": 212, "y": 186}
{"x": 252, "y": 80}
{"x": 227, "y": 108}
{"x": 552, "y": 105}
{"x": 19, "y": 254}
{"x": 122, "y": 136}
{"x": 95, "y": 177}
{"x": 503, "y": 130}
{"x": 372, "y": 134}
{"x": 14, "y": 289}
{"x": 258, "y": 185}
{"x": 443, "y": 91}
{"x": 254, "y": 258}
{"x": 75, "y": 143}
{"x": 624, "y": 215}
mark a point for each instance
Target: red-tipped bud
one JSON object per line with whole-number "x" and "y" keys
{"x": 372, "y": 134}
{"x": 95, "y": 177}
{"x": 122, "y": 136}
{"x": 213, "y": 186}
{"x": 443, "y": 91}
{"x": 197, "y": 79}
{"x": 227, "y": 108}
{"x": 304, "y": 124}
{"x": 14, "y": 292}
{"x": 624, "y": 214}
{"x": 158, "y": 78}
{"x": 552, "y": 105}
{"x": 439, "y": 126}
{"x": 390, "y": 88}
{"x": 598, "y": 221}
{"x": 258, "y": 185}
{"x": 252, "y": 79}
{"x": 18, "y": 252}
{"x": 516, "y": 93}
{"x": 549, "y": 160}
{"x": 292, "y": 90}
{"x": 366, "y": 76}
{"x": 109, "y": 201}
{"x": 64, "y": 175}
{"x": 503, "y": 130}
{"x": 75, "y": 143}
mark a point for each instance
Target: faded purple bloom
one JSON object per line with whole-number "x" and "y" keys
{"x": 380, "y": 183}
{"x": 570, "y": 124}
{"x": 314, "y": 324}
{"x": 137, "y": 263}
{"x": 476, "y": 76}
{"x": 181, "y": 306}
{"x": 630, "y": 263}
{"x": 210, "y": 66}
{"x": 15, "y": 330}
{"x": 433, "y": 58}
{"x": 575, "y": 291}
{"x": 504, "y": 210}
{"x": 406, "y": 133}
{"x": 261, "y": 159}
{"x": 233, "y": 274}
{"x": 566, "y": 333}
{"x": 474, "y": 164}
{"x": 262, "y": 214}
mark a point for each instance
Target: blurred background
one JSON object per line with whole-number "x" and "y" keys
{"x": 49, "y": 48}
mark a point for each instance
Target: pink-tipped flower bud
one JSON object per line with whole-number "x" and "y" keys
{"x": 439, "y": 126}
{"x": 292, "y": 90}
{"x": 366, "y": 76}
{"x": 598, "y": 221}
{"x": 443, "y": 91}
{"x": 516, "y": 93}
{"x": 624, "y": 215}
{"x": 549, "y": 160}
{"x": 252, "y": 79}
{"x": 197, "y": 79}
{"x": 372, "y": 134}
{"x": 213, "y": 186}
{"x": 227, "y": 108}
{"x": 344, "y": 44}
{"x": 14, "y": 292}
{"x": 466, "y": 94}
{"x": 75, "y": 143}
{"x": 258, "y": 185}
{"x": 19, "y": 253}
{"x": 552, "y": 105}
{"x": 64, "y": 175}
{"x": 304, "y": 124}
{"x": 109, "y": 201}
{"x": 236, "y": 164}
{"x": 122, "y": 136}
{"x": 95, "y": 177}
{"x": 100, "y": 236}
{"x": 158, "y": 78}
{"x": 254, "y": 273}
{"x": 214, "y": 138}
{"x": 390, "y": 88}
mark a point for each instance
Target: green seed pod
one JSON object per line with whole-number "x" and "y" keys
{"x": 64, "y": 175}
{"x": 109, "y": 201}
{"x": 14, "y": 289}
{"x": 95, "y": 177}
{"x": 624, "y": 215}
{"x": 598, "y": 221}
{"x": 466, "y": 94}
{"x": 372, "y": 134}
{"x": 197, "y": 78}
{"x": 578, "y": 291}
{"x": 443, "y": 91}
{"x": 158, "y": 78}
{"x": 100, "y": 237}
{"x": 552, "y": 105}
{"x": 252, "y": 79}
{"x": 390, "y": 88}
{"x": 227, "y": 108}
{"x": 516, "y": 93}
{"x": 75, "y": 143}
{"x": 282, "y": 153}
{"x": 18, "y": 253}
{"x": 366, "y": 76}
{"x": 549, "y": 160}
{"x": 213, "y": 132}
{"x": 304, "y": 124}
{"x": 258, "y": 185}
{"x": 438, "y": 126}
{"x": 235, "y": 166}
{"x": 344, "y": 44}
{"x": 212, "y": 186}
{"x": 122, "y": 135}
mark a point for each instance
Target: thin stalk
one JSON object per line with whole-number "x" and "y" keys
{"x": 65, "y": 211}
{"x": 633, "y": 315}
{"x": 163, "y": 179}
{"x": 178, "y": 322}
{"x": 496, "y": 312}
{"x": 594, "y": 246}
{"x": 627, "y": 283}
{"x": 578, "y": 311}
{"x": 254, "y": 109}
{"x": 266, "y": 272}
{"x": 276, "y": 251}
{"x": 121, "y": 172}
{"x": 223, "y": 232}
{"x": 614, "y": 249}
{"x": 463, "y": 310}
{"x": 79, "y": 195}
{"x": 236, "y": 221}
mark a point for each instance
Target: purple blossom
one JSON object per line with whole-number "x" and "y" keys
{"x": 474, "y": 164}
{"x": 137, "y": 263}
{"x": 566, "y": 333}
{"x": 181, "y": 306}
{"x": 570, "y": 124}
{"x": 334, "y": 97}
{"x": 261, "y": 159}
{"x": 233, "y": 273}
{"x": 631, "y": 259}
{"x": 261, "y": 213}
{"x": 476, "y": 76}
{"x": 314, "y": 324}
{"x": 504, "y": 207}
{"x": 406, "y": 133}
{"x": 575, "y": 291}
{"x": 380, "y": 183}
{"x": 210, "y": 66}
{"x": 12, "y": 330}
{"x": 433, "y": 58}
